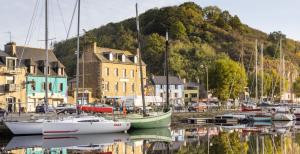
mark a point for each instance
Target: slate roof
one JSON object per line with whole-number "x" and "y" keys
{"x": 161, "y": 80}
{"x": 36, "y": 57}
{"x": 191, "y": 84}
{"x": 100, "y": 53}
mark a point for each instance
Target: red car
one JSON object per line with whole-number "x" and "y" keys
{"x": 97, "y": 108}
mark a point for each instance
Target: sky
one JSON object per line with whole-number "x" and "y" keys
{"x": 16, "y": 16}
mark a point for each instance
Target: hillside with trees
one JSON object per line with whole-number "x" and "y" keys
{"x": 199, "y": 36}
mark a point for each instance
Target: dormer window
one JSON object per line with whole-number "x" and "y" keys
{"x": 32, "y": 69}
{"x": 48, "y": 70}
{"x": 135, "y": 59}
{"x": 62, "y": 71}
{"x": 111, "y": 57}
{"x": 11, "y": 64}
{"x": 123, "y": 58}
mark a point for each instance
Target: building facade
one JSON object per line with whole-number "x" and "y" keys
{"x": 110, "y": 73}
{"x": 34, "y": 59}
{"x": 176, "y": 88}
{"x": 12, "y": 83}
{"x": 191, "y": 92}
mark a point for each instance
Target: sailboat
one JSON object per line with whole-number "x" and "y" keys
{"x": 33, "y": 126}
{"x": 282, "y": 113}
{"x": 82, "y": 124}
{"x": 157, "y": 119}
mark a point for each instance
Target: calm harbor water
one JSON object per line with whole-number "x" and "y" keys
{"x": 255, "y": 138}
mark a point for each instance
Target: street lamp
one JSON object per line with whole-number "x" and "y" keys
{"x": 206, "y": 70}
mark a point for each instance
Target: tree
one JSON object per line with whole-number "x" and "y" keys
{"x": 178, "y": 30}
{"x": 228, "y": 143}
{"x": 235, "y": 22}
{"x": 296, "y": 87}
{"x": 227, "y": 79}
{"x": 153, "y": 53}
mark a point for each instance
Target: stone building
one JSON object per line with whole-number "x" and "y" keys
{"x": 12, "y": 83}
{"x": 34, "y": 59}
{"x": 111, "y": 73}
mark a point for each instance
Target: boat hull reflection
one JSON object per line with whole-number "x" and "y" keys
{"x": 69, "y": 141}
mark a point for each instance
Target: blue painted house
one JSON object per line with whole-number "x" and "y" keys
{"x": 176, "y": 88}
{"x": 35, "y": 59}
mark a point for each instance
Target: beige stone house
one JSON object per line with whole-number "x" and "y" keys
{"x": 111, "y": 73}
{"x": 12, "y": 82}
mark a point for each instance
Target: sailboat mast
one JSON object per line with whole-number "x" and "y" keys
{"x": 167, "y": 68}
{"x": 262, "y": 71}
{"x": 256, "y": 87}
{"x": 47, "y": 59}
{"x": 140, "y": 58}
{"x": 77, "y": 63}
{"x": 280, "y": 69}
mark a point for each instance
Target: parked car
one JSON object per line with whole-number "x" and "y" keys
{"x": 65, "y": 108}
{"x": 97, "y": 108}
{"x": 40, "y": 108}
{"x": 197, "y": 107}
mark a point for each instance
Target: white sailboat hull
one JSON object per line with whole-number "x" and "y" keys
{"x": 25, "y": 127}
{"x": 283, "y": 117}
{"x": 86, "y": 125}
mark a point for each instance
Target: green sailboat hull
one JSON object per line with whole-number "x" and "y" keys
{"x": 155, "y": 121}
{"x": 155, "y": 134}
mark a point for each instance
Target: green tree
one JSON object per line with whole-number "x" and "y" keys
{"x": 296, "y": 87}
{"x": 227, "y": 79}
{"x": 178, "y": 30}
{"x": 228, "y": 144}
{"x": 153, "y": 53}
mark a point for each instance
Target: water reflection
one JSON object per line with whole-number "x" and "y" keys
{"x": 255, "y": 138}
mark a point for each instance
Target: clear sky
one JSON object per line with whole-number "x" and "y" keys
{"x": 15, "y": 16}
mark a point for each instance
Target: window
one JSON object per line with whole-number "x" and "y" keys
{"x": 161, "y": 86}
{"x": 10, "y": 79}
{"x": 186, "y": 95}
{"x": 161, "y": 94}
{"x": 61, "y": 87}
{"x": 123, "y": 58}
{"x": 50, "y": 86}
{"x": 116, "y": 72}
{"x": 124, "y": 87}
{"x": 132, "y": 73}
{"x": 175, "y": 95}
{"x": 106, "y": 86}
{"x": 32, "y": 69}
{"x": 124, "y": 73}
{"x": 132, "y": 87}
{"x": 32, "y": 85}
{"x": 44, "y": 85}
{"x": 11, "y": 63}
{"x": 116, "y": 87}
{"x": 107, "y": 71}
{"x": 61, "y": 71}
{"x": 176, "y": 86}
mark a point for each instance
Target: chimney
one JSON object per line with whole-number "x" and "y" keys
{"x": 92, "y": 47}
{"x": 10, "y": 48}
{"x": 95, "y": 47}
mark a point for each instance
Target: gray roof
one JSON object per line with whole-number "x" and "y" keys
{"x": 161, "y": 80}
{"x": 36, "y": 57}
{"x": 35, "y": 54}
{"x": 191, "y": 84}
{"x": 4, "y": 54}
{"x": 100, "y": 54}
